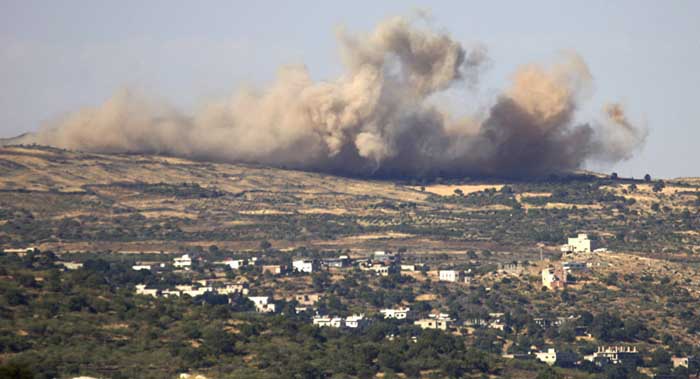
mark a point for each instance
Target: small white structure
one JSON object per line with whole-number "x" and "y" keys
{"x": 380, "y": 270}
{"x": 141, "y": 267}
{"x": 451, "y": 276}
{"x": 262, "y": 304}
{"x": 553, "y": 279}
{"x": 72, "y": 265}
{"x": 193, "y": 292}
{"x": 355, "y": 321}
{"x": 328, "y": 321}
{"x": 409, "y": 267}
{"x": 579, "y": 244}
{"x": 304, "y": 265}
{"x": 170, "y": 293}
{"x": 234, "y": 264}
{"x": 230, "y": 289}
{"x": 191, "y": 376}
{"x": 185, "y": 261}
{"x": 549, "y": 357}
{"x": 273, "y": 269}
{"x": 432, "y": 323}
{"x": 307, "y": 299}
{"x": 142, "y": 290}
{"x": 398, "y": 314}
{"x": 682, "y": 361}
{"x": 21, "y": 251}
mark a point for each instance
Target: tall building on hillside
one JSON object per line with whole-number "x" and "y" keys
{"x": 578, "y": 244}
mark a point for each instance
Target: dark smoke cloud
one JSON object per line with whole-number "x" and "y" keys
{"x": 376, "y": 119}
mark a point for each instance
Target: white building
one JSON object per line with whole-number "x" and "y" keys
{"x": 304, "y": 265}
{"x": 71, "y": 265}
{"x": 142, "y": 290}
{"x": 553, "y": 279}
{"x": 230, "y": 289}
{"x": 355, "y": 321}
{"x": 409, "y": 267}
{"x": 549, "y": 357}
{"x": 328, "y": 321}
{"x": 234, "y": 264}
{"x": 193, "y": 292}
{"x": 185, "y": 261}
{"x": 682, "y": 361}
{"x": 615, "y": 354}
{"x": 399, "y": 314}
{"x": 273, "y": 269}
{"x": 451, "y": 276}
{"x": 579, "y": 244}
{"x": 432, "y": 323}
{"x": 262, "y": 304}
{"x": 21, "y": 251}
{"x": 380, "y": 270}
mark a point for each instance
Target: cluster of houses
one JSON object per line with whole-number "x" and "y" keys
{"x": 437, "y": 321}
{"x": 603, "y": 356}
{"x": 354, "y": 321}
{"x": 627, "y": 356}
{"x": 263, "y": 304}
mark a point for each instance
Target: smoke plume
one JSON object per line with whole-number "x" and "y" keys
{"x": 377, "y": 119}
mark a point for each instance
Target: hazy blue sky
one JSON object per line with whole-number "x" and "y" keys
{"x": 57, "y": 56}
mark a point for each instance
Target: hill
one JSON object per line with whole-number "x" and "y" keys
{"x": 68, "y": 200}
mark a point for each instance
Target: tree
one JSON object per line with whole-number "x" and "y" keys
{"x": 660, "y": 357}
{"x": 15, "y": 371}
{"x": 547, "y": 373}
{"x": 647, "y": 178}
{"x": 613, "y": 176}
{"x": 218, "y": 341}
{"x": 658, "y": 186}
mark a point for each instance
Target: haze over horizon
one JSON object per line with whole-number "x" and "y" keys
{"x": 78, "y": 54}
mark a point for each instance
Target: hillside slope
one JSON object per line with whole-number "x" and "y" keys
{"x": 69, "y": 200}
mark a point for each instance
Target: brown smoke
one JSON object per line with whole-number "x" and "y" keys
{"x": 376, "y": 119}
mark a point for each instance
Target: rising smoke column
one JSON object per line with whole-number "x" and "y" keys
{"x": 377, "y": 119}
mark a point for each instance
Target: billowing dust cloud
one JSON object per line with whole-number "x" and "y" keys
{"x": 377, "y": 119}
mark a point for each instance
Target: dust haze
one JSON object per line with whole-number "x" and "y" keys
{"x": 378, "y": 119}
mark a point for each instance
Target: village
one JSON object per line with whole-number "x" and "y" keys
{"x": 305, "y": 284}
{"x": 236, "y": 277}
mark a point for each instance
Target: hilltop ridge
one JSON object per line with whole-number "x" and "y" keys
{"x": 133, "y": 202}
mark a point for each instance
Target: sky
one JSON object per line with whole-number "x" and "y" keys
{"x": 56, "y": 57}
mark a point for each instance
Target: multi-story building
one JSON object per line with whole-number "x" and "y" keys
{"x": 578, "y": 244}
{"x": 451, "y": 276}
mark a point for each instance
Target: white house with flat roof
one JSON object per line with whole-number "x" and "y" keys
{"x": 451, "y": 276}
{"x": 549, "y": 357}
{"x": 398, "y": 314}
{"x": 185, "y": 261}
{"x": 578, "y": 244}
{"x": 304, "y": 265}
{"x": 262, "y": 304}
{"x": 355, "y": 321}
{"x": 328, "y": 321}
